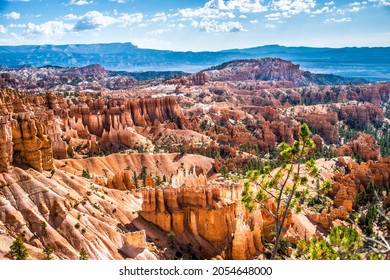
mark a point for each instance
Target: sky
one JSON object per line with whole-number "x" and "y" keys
{"x": 189, "y": 25}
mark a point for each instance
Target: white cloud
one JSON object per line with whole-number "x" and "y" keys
{"x": 355, "y": 9}
{"x": 159, "y": 31}
{"x": 270, "y": 26}
{"x": 320, "y": 11}
{"x": 216, "y": 4}
{"x": 13, "y": 15}
{"x": 352, "y": 8}
{"x": 381, "y": 2}
{"x": 331, "y": 3}
{"x": 119, "y": 1}
{"x": 356, "y": 6}
{"x": 93, "y": 20}
{"x": 218, "y": 27}
{"x": 274, "y": 16}
{"x": 345, "y": 19}
{"x": 129, "y": 19}
{"x": 3, "y": 29}
{"x": 246, "y": 6}
{"x": 243, "y": 16}
{"x": 293, "y": 7}
{"x": 159, "y": 17}
{"x": 80, "y": 2}
{"x": 223, "y": 9}
{"x": 49, "y": 28}
{"x": 17, "y": 26}
{"x": 205, "y": 13}
{"x": 18, "y": 0}
{"x": 70, "y": 17}
{"x": 254, "y": 21}
{"x": 342, "y": 11}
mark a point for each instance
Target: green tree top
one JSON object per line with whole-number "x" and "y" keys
{"x": 47, "y": 250}
{"x": 18, "y": 250}
{"x": 83, "y": 255}
{"x": 281, "y": 185}
{"x": 342, "y": 243}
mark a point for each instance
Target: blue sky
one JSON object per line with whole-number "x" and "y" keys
{"x": 197, "y": 25}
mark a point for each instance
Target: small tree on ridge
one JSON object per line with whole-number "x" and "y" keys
{"x": 281, "y": 186}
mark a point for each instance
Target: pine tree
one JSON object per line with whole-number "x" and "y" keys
{"x": 158, "y": 180}
{"x": 342, "y": 243}
{"x": 48, "y": 251}
{"x": 86, "y": 174}
{"x": 275, "y": 186}
{"x": 18, "y": 249}
{"x": 135, "y": 179}
{"x": 224, "y": 171}
{"x": 144, "y": 174}
{"x": 83, "y": 255}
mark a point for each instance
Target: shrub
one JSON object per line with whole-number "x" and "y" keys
{"x": 86, "y": 174}
{"x": 18, "y": 250}
{"x": 83, "y": 255}
{"x": 48, "y": 251}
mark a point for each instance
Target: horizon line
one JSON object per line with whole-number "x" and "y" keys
{"x": 198, "y": 51}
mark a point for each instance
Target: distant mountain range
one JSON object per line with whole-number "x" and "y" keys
{"x": 369, "y": 63}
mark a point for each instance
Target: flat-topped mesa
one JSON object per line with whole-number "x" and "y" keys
{"x": 272, "y": 69}
{"x": 266, "y": 69}
{"x": 89, "y": 70}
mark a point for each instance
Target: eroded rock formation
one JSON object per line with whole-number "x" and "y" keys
{"x": 347, "y": 186}
{"x": 6, "y": 146}
{"x": 35, "y": 129}
{"x": 363, "y": 145}
{"x": 201, "y": 211}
